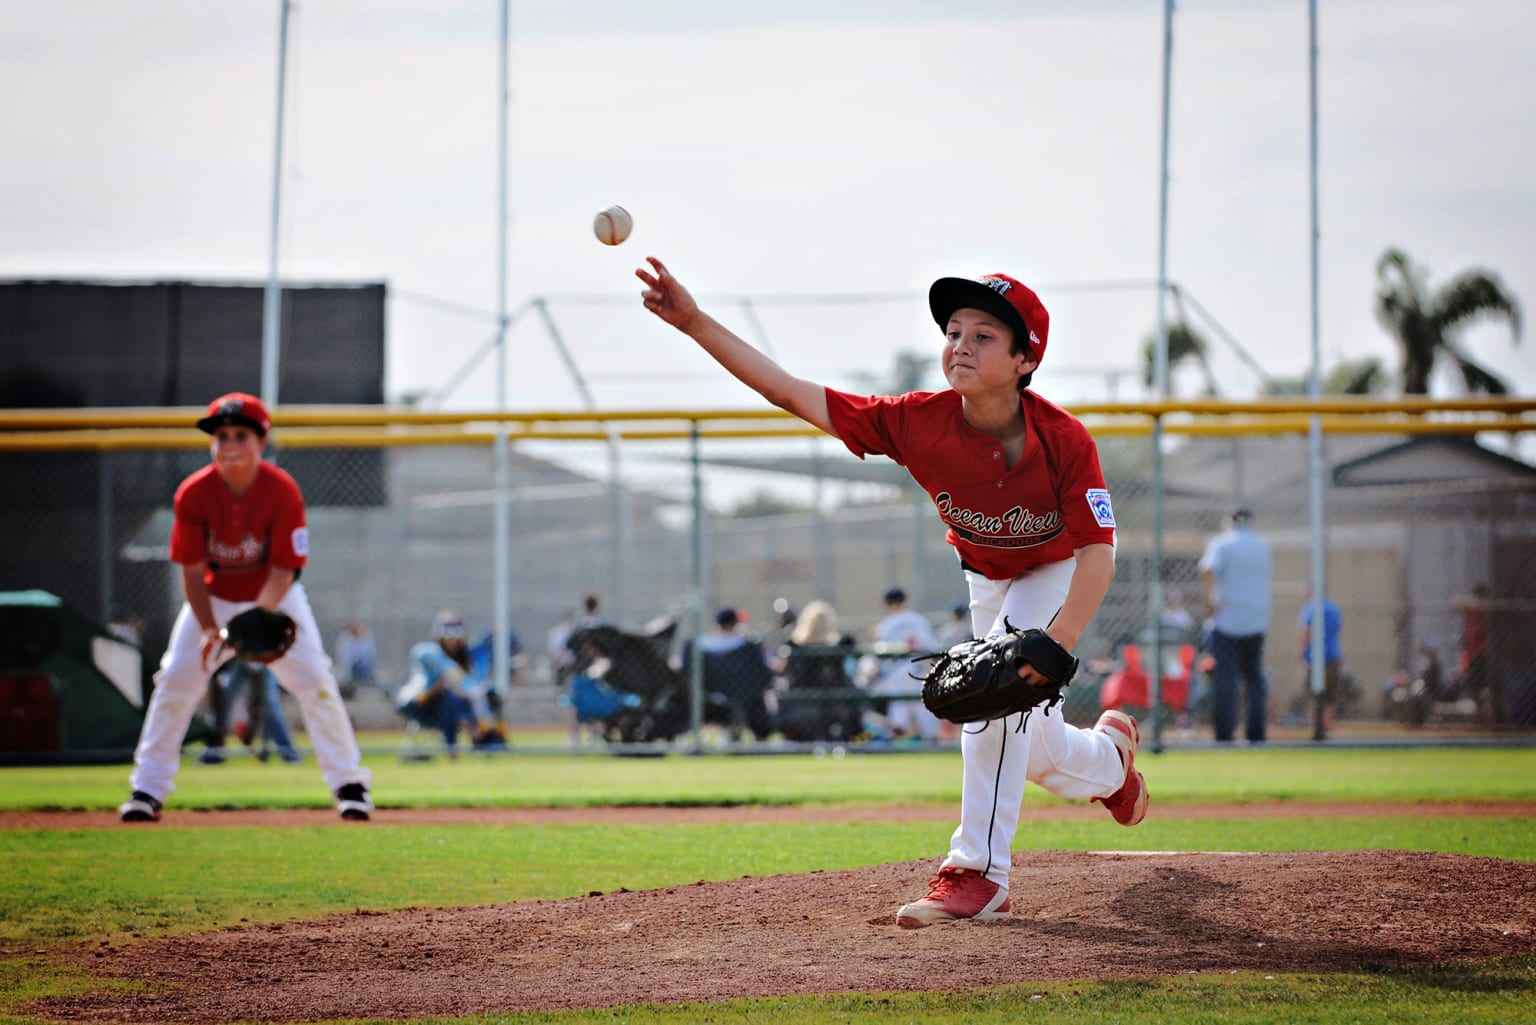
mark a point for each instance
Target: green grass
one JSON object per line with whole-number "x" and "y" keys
{"x": 1397, "y": 775}
{"x": 84, "y": 885}
{"x": 1499, "y": 991}
{"x": 1495, "y": 992}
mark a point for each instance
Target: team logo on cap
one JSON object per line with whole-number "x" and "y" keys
{"x": 1002, "y": 286}
{"x": 1098, "y": 501}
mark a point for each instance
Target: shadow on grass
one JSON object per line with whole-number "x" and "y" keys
{"x": 1500, "y": 975}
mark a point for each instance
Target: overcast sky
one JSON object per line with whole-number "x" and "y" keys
{"x": 801, "y": 156}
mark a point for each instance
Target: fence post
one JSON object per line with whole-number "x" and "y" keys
{"x": 1155, "y": 587}
{"x": 105, "y": 530}
{"x": 696, "y": 663}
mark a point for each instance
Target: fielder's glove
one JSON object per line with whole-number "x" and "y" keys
{"x": 976, "y": 681}
{"x": 260, "y": 635}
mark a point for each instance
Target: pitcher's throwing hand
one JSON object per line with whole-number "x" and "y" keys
{"x": 665, "y": 296}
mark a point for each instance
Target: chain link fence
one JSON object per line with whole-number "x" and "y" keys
{"x": 1425, "y": 535}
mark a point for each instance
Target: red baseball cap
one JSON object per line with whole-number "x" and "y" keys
{"x": 1000, "y": 295}
{"x": 236, "y": 408}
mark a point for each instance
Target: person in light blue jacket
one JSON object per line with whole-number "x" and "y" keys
{"x": 436, "y": 692}
{"x": 1235, "y": 575}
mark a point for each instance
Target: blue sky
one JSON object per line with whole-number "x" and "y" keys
{"x": 824, "y": 164}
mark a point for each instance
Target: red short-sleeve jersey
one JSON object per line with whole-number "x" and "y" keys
{"x": 1003, "y": 521}
{"x": 239, "y": 537}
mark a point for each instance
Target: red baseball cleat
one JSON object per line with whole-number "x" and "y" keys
{"x": 1128, "y": 804}
{"x": 956, "y": 893}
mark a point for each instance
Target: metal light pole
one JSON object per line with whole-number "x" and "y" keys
{"x": 501, "y": 525}
{"x": 696, "y": 593}
{"x": 271, "y": 306}
{"x": 1160, "y": 383}
{"x": 1314, "y": 389}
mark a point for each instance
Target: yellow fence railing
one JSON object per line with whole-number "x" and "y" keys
{"x": 103, "y": 429}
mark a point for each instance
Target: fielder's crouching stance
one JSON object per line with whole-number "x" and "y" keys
{"x": 240, "y": 539}
{"x": 1017, "y": 482}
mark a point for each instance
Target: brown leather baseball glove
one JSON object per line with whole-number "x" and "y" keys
{"x": 260, "y": 635}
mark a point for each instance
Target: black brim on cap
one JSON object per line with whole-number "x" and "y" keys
{"x": 947, "y": 295}
{"x": 211, "y": 424}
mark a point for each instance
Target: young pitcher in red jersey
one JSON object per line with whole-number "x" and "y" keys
{"x": 240, "y": 539}
{"x": 1017, "y": 483}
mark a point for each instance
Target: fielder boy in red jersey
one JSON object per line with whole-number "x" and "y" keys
{"x": 240, "y": 539}
{"x": 1017, "y": 483}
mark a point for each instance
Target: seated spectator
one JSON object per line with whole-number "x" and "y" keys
{"x": 738, "y": 670}
{"x": 435, "y": 694}
{"x": 904, "y": 629}
{"x": 356, "y": 658}
{"x": 816, "y": 627}
{"x": 808, "y": 665}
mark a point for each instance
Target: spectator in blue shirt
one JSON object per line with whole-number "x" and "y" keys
{"x": 1235, "y": 576}
{"x": 1333, "y": 654}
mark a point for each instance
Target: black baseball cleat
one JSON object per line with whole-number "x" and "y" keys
{"x": 354, "y": 802}
{"x": 140, "y": 808}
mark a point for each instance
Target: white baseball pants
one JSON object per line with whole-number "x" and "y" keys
{"x": 304, "y": 672}
{"x": 998, "y": 756}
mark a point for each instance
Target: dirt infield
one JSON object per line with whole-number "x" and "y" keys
{"x": 1075, "y": 915}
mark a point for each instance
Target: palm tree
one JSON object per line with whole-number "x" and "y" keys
{"x": 1363, "y": 376}
{"x": 1425, "y": 323}
{"x": 1185, "y": 345}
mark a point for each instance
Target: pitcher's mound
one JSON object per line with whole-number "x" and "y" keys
{"x": 1075, "y": 915}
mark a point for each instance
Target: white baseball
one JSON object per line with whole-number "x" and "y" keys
{"x": 612, "y": 225}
